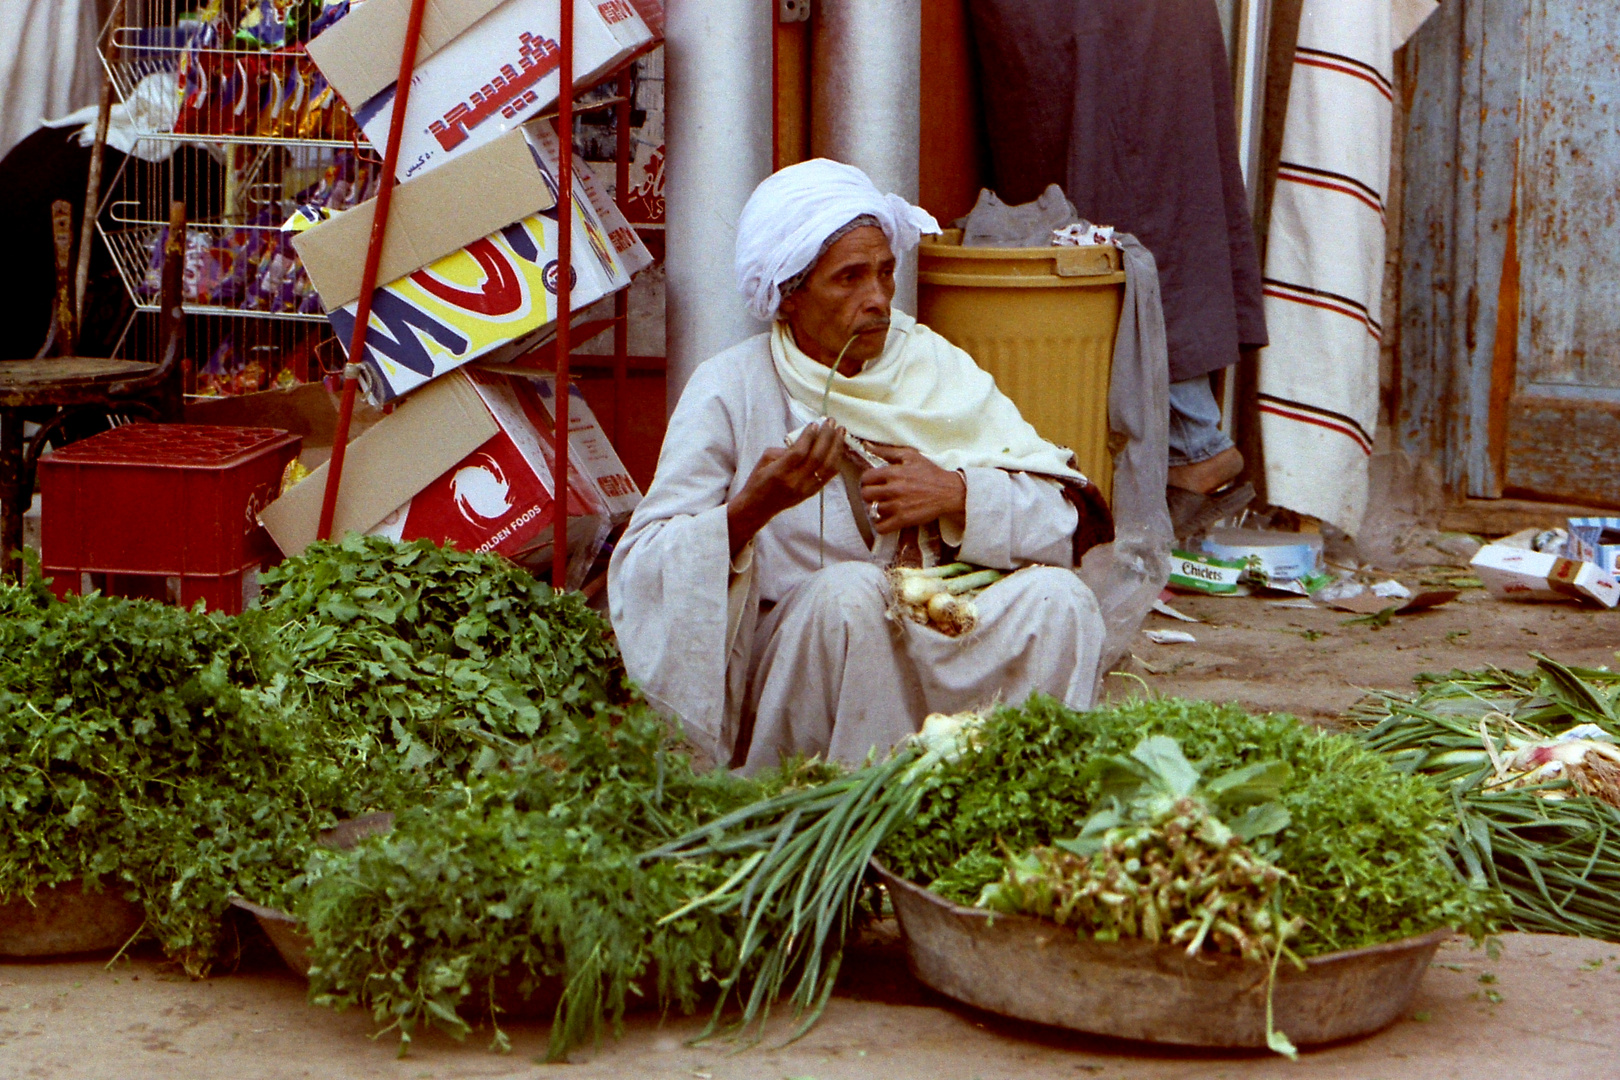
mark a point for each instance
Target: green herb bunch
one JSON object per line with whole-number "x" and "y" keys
{"x": 525, "y": 885}
{"x": 437, "y": 663}
{"x": 136, "y": 754}
{"x": 1361, "y": 846}
{"x": 182, "y": 757}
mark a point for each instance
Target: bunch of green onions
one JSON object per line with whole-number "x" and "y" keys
{"x": 1557, "y": 861}
{"x": 798, "y": 890}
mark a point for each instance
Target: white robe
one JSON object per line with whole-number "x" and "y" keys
{"x": 823, "y": 670}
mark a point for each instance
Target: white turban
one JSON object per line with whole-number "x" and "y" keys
{"x": 793, "y": 212}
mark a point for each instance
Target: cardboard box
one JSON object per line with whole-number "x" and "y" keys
{"x": 467, "y": 461}
{"x": 359, "y": 54}
{"x": 492, "y": 300}
{"x": 627, "y": 244}
{"x": 425, "y": 437}
{"x": 1270, "y": 558}
{"x": 1205, "y": 574}
{"x": 1514, "y": 573}
{"x": 589, "y": 446}
{"x": 1595, "y": 540}
{"x": 501, "y": 497}
{"x": 496, "y": 73}
{"x": 433, "y": 216}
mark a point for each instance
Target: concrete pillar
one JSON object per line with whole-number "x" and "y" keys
{"x": 718, "y": 131}
{"x": 866, "y": 98}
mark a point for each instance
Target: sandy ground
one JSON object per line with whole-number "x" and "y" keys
{"x": 1317, "y": 663}
{"x": 1548, "y": 1008}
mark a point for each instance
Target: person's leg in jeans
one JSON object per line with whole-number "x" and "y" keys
{"x": 1202, "y": 457}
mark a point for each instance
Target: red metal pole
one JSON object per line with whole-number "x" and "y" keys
{"x": 565, "y": 300}
{"x": 368, "y": 279}
{"x": 621, "y": 303}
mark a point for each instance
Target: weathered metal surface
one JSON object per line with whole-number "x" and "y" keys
{"x": 1034, "y": 970}
{"x": 1563, "y": 418}
{"x": 1570, "y": 237}
{"x": 718, "y": 126}
{"x": 66, "y": 919}
{"x": 286, "y": 933}
{"x": 866, "y": 100}
{"x": 1510, "y": 350}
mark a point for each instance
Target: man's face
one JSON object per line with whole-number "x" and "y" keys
{"x": 846, "y": 295}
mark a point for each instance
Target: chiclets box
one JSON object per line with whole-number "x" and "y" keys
{"x": 492, "y": 76}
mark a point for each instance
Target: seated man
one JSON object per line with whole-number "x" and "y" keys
{"x": 746, "y": 599}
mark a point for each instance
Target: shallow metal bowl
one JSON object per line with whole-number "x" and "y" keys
{"x": 1034, "y": 970}
{"x": 65, "y": 919}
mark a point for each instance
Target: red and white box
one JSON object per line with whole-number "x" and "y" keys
{"x": 479, "y": 80}
{"x": 466, "y": 461}
{"x": 1514, "y": 573}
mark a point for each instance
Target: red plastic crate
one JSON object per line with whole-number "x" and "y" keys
{"x": 227, "y": 593}
{"x": 170, "y": 500}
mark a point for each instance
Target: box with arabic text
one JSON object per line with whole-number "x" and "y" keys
{"x": 490, "y": 67}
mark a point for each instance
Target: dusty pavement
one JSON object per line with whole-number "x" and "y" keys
{"x": 1317, "y": 663}
{"x": 1546, "y": 1008}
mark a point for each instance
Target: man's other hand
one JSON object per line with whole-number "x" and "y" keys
{"x": 783, "y": 479}
{"x": 911, "y": 490}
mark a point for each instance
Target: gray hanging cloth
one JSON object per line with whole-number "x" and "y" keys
{"x": 1128, "y": 105}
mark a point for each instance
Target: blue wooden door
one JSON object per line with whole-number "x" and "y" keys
{"x": 1510, "y": 258}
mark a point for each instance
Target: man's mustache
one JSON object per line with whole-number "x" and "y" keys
{"x": 871, "y": 327}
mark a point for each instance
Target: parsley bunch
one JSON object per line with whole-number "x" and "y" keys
{"x": 136, "y": 752}
{"x": 181, "y": 757}
{"x": 432, "y": 662}
{"x": 522, "y": 883}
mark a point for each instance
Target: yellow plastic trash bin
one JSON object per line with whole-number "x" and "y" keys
{"x": 1042, "y": 322}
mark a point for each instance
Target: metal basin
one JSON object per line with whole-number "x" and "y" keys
{"x": 66, "y": 919}
{"x": 1034, "y": 970}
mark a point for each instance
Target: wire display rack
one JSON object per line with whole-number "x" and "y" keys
{"x": 238, "y": 72}
{"x": 239, "y": 125}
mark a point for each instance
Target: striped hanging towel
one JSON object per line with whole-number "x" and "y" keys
{"x": 1325, "y": 258}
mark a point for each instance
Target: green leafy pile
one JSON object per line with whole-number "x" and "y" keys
{"x": 135, "y": 752}
{"x": 434, "y": 662}
{"x": 182, "y": 757}
{"x": 526, "y": 884}
{"x": 1361, "y": 846}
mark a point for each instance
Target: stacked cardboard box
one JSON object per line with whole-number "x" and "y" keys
{"x": 471, "y": 272}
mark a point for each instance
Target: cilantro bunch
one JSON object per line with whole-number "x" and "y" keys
{"x": 433, "y": 663}
{"x": 1366, "y": 845}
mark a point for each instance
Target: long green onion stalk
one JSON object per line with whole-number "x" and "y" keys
{"x": 1551, "y": 848}
{"x": 798, "y": 890}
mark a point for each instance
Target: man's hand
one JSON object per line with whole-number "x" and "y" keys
{"x": 912, "y": 490}
{"x": 783, "y": 479}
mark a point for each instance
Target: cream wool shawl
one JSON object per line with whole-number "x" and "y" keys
{"x": 925, "y": 393}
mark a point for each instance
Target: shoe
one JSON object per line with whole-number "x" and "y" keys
{"x": 1192, "y": 514}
